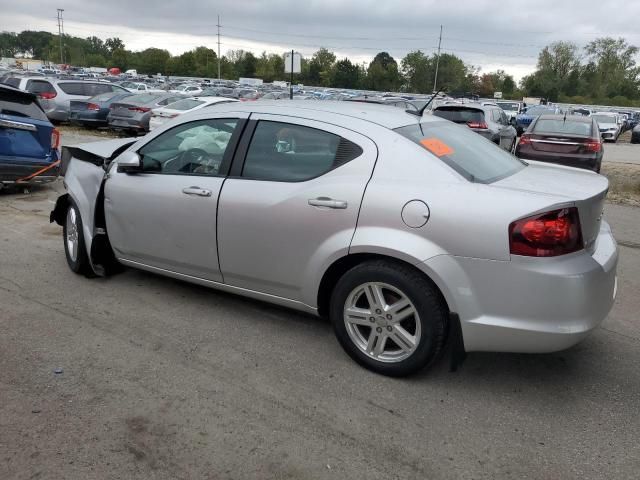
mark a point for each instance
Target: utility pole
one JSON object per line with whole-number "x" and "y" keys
{"x": 291, "y": 78}
{"x": 218, "y": 25}
{"x": 60, "y": 10}
{"x": 435, "y": 80}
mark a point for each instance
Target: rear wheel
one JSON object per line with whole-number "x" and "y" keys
{"x": 388, "y": 317}
{"x": 74, "y": 246}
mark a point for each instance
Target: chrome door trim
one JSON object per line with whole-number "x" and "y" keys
{"x": 285, "y": 302}
{"x": 17, "y": 125}
{"x": 555, "y": 142}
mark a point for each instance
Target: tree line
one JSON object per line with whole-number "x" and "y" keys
{"x": 604, "y": 71}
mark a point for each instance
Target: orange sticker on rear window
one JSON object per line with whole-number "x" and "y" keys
{"x": 437, "y": 147}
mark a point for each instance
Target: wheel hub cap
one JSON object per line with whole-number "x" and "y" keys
{"x": 382, "y": 322}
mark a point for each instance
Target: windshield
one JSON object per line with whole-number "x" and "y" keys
{"x": 469, "y": 154}
{"x": 509, "y": 106}
{"x": 186, "y": 104}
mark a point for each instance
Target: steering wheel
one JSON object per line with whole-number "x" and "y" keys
{"x": 191, "y": 159}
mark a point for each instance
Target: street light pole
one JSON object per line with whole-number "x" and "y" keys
{"x": 60, "y": 10}
{"x": 218, "y": 25}
{"x": 435, "y": 80}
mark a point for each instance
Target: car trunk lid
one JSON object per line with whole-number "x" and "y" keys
{"x": 123, "y": 109}
{"x": 564, "y": 185}
{"x": 25, "y": 139}
{"x": 560, "y": 143}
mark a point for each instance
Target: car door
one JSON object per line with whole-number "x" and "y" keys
{"x": 291, "y": 203}
{"x": 164, "y": 216}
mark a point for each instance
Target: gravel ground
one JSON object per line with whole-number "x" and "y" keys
{"x": 160, "y": 379}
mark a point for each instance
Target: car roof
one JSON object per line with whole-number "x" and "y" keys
{"x": 573, "y": 118}
{"x": 383, "y": 115}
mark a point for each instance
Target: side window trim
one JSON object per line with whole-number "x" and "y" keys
{"x": 229, "y": 153}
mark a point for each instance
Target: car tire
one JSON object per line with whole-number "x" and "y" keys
{"x": 73, "y": 239}
{"x": 402, "y": 337}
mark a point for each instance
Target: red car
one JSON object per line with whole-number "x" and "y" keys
{"x": 569, "y": 140}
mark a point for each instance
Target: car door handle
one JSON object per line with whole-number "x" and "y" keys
{"x": 327, "y": 202}
{"x": 201, "y": 192}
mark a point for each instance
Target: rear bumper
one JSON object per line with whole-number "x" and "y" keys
{"x": 530, "y": 305}
{"x": 125, "y": 123}
{"x": 88, "y": 118}
{"x": 589, "y": 162}
{"x": 11, "y": 173}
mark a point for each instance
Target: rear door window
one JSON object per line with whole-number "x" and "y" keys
{"x": 466, "y": 152}
{"x": 13, "y": 82}
{"x": 72, "y": 88}
{"x": 285, "y": 152}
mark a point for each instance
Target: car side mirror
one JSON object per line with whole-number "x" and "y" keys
{"x": 129, "y": 162}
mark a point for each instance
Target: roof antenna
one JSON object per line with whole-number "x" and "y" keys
{"x": 418, "y": 113}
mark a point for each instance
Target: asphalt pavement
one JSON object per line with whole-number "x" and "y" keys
{"x": 143, "y": 377}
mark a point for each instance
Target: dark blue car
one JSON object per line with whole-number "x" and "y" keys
{"x": 29, "y": 144}
{"x": 93, "y": 111}
{"x": 523, "y": 120}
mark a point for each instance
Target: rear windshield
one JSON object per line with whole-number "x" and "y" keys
{"x": 19, "y": 106}
{"x": 604, "y": 118}
{"x": 539, "y": 110}
{"x": 104, "y": 97}
{"x": 186, "y": 104}
{"x": 471, "y": 155}
{"x": 547, "y": 125}
{"x": 460, "y": 114}
{"x": 509, "y": 106}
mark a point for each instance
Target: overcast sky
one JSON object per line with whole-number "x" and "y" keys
{"x": 486, "y": 33}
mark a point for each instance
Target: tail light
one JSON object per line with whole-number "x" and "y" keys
{"x": 546, "y": 235}
{"x": 55, "y": 139}
{"x": 47, "y": 95}
{"x": 480, "y": 125}
{"x": 593, "y": 145}
{"x": 525, "y": 140}
{"x": 93, "y": 106}
{"x": 140, "y": 109}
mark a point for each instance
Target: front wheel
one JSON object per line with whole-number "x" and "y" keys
{"x": 388, "y": 318}
{"x": 74, "y": 246}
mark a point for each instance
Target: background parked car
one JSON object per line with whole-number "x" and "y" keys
{"x": 139, "y": 87}
{"x": 511, "y": 108}
{"x": 133, "y": 113}
{"x": 487, "y": 120}
{"x": 93, "y": 111}
{"x": 28, "y": 141}
{"x": 570, "y": 140}
{"x": 217, "y": 92}
{"x": 186, "y": 89}
{"x": 524, "y": 119}
{"x": 56, "y": 95}
{"x": 160, "y": 116}
{"x": 608, "y": 125}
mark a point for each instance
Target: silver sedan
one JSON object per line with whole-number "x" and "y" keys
{"x": 408, "y": 233}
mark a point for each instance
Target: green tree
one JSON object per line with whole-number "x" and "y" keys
{"x": 151, "y": 61}
{"x": 345, "y": 74}
{"x": 320, "y": 67}
{"x": 612, "y": 69}
{"x": 113, "y": 44}
{"x": 383, "y": 74}
{"x": 418, "y": 71}
{"x": 8, "y": 44}
{"x": 120, "y": 59}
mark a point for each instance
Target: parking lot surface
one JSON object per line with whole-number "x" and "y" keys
{"x": 161, "y": 379}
